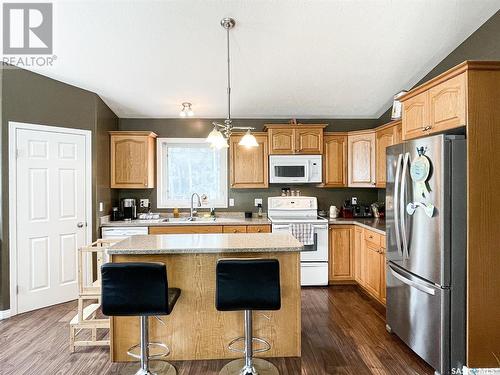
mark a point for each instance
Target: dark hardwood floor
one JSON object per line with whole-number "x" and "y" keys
{"x": 343, "y": 332}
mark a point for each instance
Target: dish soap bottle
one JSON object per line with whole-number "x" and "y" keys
{"x": 259, "y": 210}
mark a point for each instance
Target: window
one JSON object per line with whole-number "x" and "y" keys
{"x": 187, "y": 166}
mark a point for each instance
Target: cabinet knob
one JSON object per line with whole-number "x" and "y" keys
{"x": 234, "y": 230}
{"x": 259, "y": 230}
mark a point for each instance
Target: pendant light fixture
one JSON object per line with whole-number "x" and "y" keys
{"x": 219, "y": 135}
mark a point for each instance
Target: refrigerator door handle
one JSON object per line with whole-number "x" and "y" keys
{"x": 413, "y": 284}
{"x": 397, "y": 182}
{"x": 402, "y": 219}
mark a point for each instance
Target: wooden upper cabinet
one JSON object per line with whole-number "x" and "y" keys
{"x": 341, "y": 263}
{"x": 436, "y": 106}
{"x": 447, "y": 103}
{"x": 385, "y": 136}
{"x": 361, "y": 159}
{"x": 415, "y": 115}
{"x": 335, "y": 160}
{"x": 282, "y": 141}
{"x": 309, "y": 141}
{"x": 249, "y": 165}
{"x": 286, "y": 139}
{"x": 133, "y": 159}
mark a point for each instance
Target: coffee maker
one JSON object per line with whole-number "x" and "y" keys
{"x": 129, "y": 208}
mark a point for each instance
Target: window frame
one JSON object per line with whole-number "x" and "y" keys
{"x": 161, "y": 144}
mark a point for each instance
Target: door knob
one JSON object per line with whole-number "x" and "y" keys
{"x": 80, "y": 224}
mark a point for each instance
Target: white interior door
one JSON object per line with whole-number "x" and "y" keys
{"x": 51, "y": 216}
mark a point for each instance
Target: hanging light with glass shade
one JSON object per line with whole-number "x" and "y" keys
{"x": 218, "y": 137}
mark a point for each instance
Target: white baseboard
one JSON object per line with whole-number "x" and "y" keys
{"x": 4, "y": 314}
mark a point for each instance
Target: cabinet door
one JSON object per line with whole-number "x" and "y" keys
{"x": 447, "y": 104}
{"x": 415, "y": 115}
{"x": 309, "y": 141}
{"x": 372, "y": 269}
{"x": 249, "y": 165}
{"x": 358, "y": 244}
{"x": 281, "y": 141}
{"x": 384, "y": 138}
{"x": 234, "y": 229}
{"x": 361, "y": 159}
{"x": 341, "y": 256}
{"x": 186, "y": 229}
{"x": 258, "y": 229}
{"x": 383, "y": 298}
{"x": 335, "y": 161}
{"x": 132, "y": 162}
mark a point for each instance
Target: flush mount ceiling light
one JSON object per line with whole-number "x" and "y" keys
{"x": 186, "y": 110}
{"x": 219, "y": 135}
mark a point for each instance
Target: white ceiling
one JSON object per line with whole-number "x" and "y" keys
{"x": 290, "y": 58}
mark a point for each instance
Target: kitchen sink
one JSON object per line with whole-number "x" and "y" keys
{"x": 189, "y": 220}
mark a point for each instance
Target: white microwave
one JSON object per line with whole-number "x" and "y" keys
{"x": 295, "y": 169}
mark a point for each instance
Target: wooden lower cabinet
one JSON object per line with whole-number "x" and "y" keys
{"x": 370, "y": 268}
{"x": 358, "y": 243}
{"x": 372, "y": 264}
{"x": 258, "y": 229}
{"x": 234, "y": 229}
{"x": 194, "y": 229}
{"x": 358, "y": 255}
{"x": 341, "y": 265}
{"x": 186, "y": 229}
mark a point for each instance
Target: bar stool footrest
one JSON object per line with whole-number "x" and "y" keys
{"x": 266, "y": 348}
{"x": 150, "y": 345}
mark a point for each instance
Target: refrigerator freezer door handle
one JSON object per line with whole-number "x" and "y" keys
{"x": 412, "y": 283}
{"x": 397, "y": 182}
{"x": 402, "y": 212}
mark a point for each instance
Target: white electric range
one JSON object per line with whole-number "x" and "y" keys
{"x": 284, "y": 211}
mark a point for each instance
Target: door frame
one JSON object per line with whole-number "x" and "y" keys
{"x": 13, "y": 127}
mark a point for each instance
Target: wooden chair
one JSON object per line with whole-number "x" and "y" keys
{"x": 85, "y": 319}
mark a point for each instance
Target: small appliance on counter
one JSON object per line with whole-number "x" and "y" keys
{"x": 378, "y": 209}
{"x": 116, "y": 214}
{"x": 362, "y": 210}
{"x": 347, "y": 210}
{"x": 129, "y": 208}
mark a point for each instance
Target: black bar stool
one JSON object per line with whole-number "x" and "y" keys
{"x": 247, "y": 285}
{"x": 140, "y": 289}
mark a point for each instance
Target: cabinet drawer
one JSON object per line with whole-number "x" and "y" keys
{"x": 234, "y": 229}
{"x": 374, "y": 238}
{"x": 259, "y": 229}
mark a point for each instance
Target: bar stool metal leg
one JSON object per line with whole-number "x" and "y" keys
{"x": 156, "y": 367}
{"x": 249, "y": 365}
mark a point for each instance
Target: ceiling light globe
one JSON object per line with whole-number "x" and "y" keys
{"x": 248, "y": 140}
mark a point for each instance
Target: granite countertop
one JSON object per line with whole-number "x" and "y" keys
{"x": 206, "y": 244}
{"x": 377, "y": 225}
{"x": 219, "y": 220}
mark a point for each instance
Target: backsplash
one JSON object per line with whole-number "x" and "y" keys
{"x": 244, "y": 198}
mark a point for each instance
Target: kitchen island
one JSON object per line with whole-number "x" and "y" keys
{"x": 196, "y": 330}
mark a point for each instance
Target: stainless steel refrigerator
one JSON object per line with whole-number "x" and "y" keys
{"x": 426, "y": 248}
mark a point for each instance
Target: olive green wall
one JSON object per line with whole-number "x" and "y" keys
{"x": 244, "y": 198}
{"x": 483, "y": 44}
{"x": 33, "y": 98}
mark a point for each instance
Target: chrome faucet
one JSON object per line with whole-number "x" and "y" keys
{"x": 193, "y": 211}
